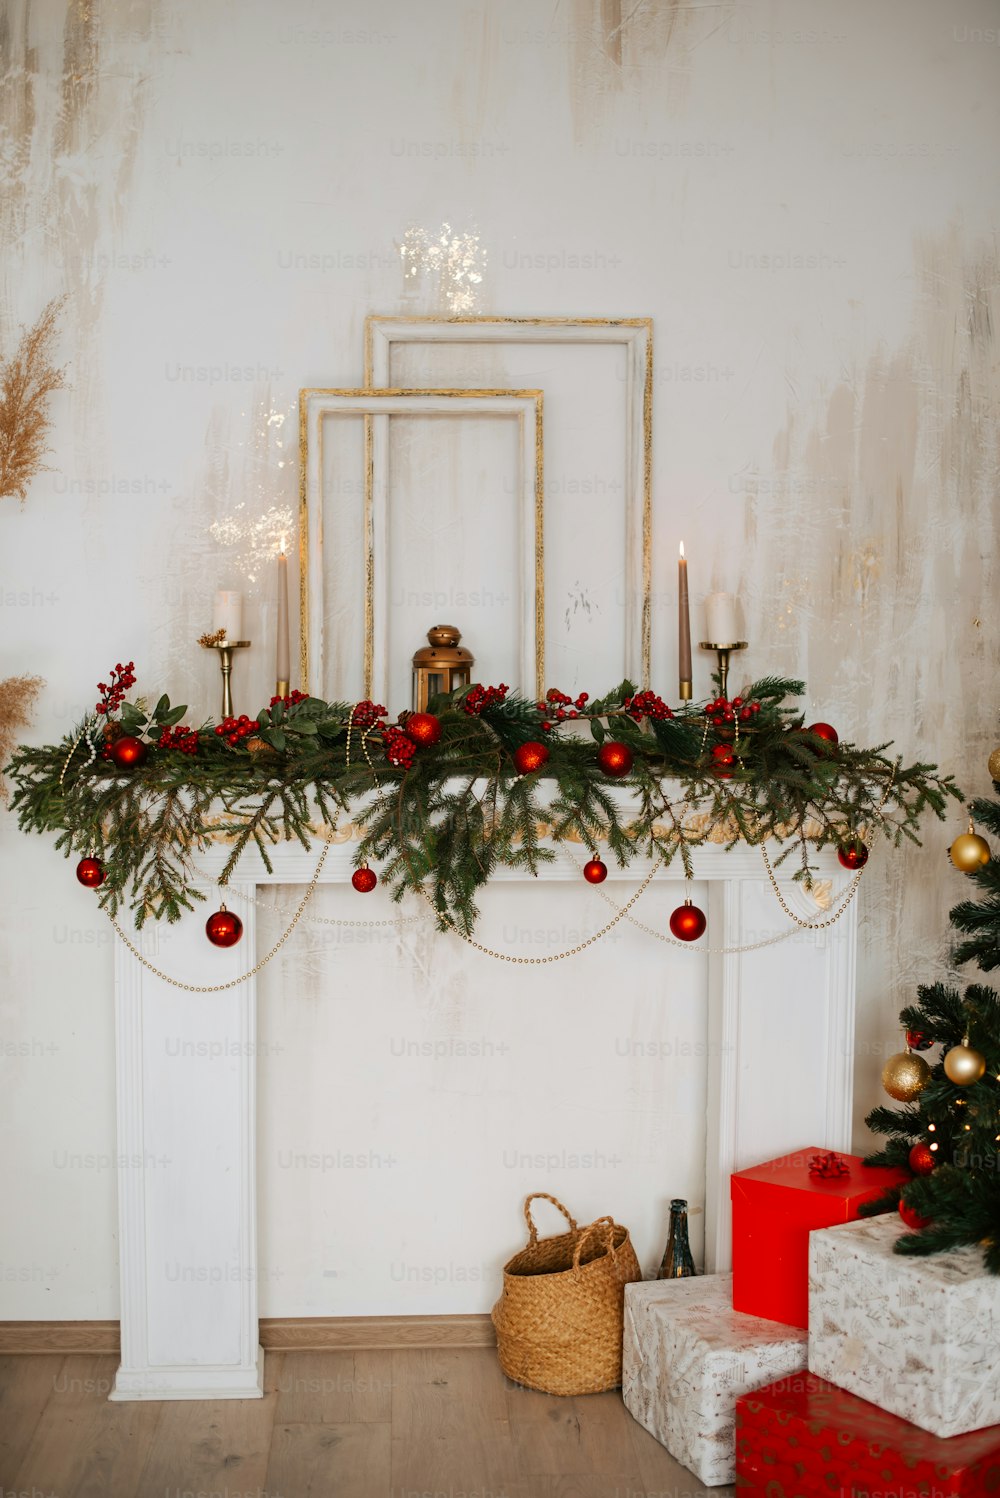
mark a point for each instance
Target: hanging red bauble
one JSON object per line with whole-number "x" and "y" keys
{"x": 90, "y": 871}
{"x": 615, "y": 759}
{"x": 594, "y": 871}
{"x": 922, "y": 1160}
{"x": 128, "y": 752}
{"x": 912, "y": 1218}
{"x": 918, "y": 1041}
{"x": 723, "y": 756}
{"x": 364, "y": 879}
{"x": 423, "y": 728}
{"x": 853, "y": 855}
{"x": 688, "y": 922}
{"x": 224, "y": 928}
{"x": 530, "y": 757}
{"x": 824, "y": 731}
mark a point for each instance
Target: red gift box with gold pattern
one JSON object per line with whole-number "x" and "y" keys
{"x": 801, "y": 1437}
{"x": 775, "y": 1207}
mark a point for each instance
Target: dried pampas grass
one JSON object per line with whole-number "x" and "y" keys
{"x": 26, "y": 382}
{"x": 17, "y": 702}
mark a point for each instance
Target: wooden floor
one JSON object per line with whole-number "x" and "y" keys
{"x": 414, "y": 1424}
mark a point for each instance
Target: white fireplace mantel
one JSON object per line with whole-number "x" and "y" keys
{"x": 780, "y": 1058}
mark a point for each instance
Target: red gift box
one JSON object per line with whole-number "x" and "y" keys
{"x": 775, "y": 1208}
{"x": 801, "y": 1437}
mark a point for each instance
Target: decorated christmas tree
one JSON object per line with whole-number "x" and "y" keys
{"x": 949, "y": 1131}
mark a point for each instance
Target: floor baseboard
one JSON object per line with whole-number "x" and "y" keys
{"x": 277, "y": 1334}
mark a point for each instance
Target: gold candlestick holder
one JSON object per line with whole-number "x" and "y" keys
{"x": 723, "y": 652}
{"x": 225, "y": 649}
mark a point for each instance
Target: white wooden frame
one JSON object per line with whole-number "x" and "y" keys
{"x": 525, "y": 406}
{"x": 636, "y": 333}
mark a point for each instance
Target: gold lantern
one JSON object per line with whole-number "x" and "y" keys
{"x": 440, "y": 666}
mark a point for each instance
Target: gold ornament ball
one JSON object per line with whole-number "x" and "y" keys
{"x": 993, "y": 765}
{"x": 905, "y": 1075}
{"x": 963, "y": 1065}
{"x": 969, "y": 852}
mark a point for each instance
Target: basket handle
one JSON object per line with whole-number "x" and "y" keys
{"x": 608, "y": 1224}
{"x": 545, "y": 1197}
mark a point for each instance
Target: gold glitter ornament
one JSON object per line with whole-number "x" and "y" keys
{"x": 993, "y": 764}
{"x": 905, "y": 1075}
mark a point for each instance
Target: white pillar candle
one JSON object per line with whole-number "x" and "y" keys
{"x": 723, "y": 621}
{"x": 228, "y": 615}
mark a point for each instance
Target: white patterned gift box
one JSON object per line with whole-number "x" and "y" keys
{"x": 688, "y": 1356}
{"x": 919, "y": 1337}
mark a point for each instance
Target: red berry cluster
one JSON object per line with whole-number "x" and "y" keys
{"x": 366, "y": 714}
{"x": 399, "y": 750}
{"x": 184, "y": 739}
{"x": 478, "y": 699}
{"x": 722, "y": 711}
{"x": 561, "y": 707}
{"x": 114, "y": 693}
{"x": 235, "y": 730}
{"x": 292, "y": 700}
{"x": 647, "y": 705}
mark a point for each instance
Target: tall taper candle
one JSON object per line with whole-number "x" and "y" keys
{"x": 683, "y": 628}
{"x": 283, "y": 668}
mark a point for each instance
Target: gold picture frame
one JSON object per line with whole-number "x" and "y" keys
{"x": 377, "y": 406}
{"x": 382, "y": 330}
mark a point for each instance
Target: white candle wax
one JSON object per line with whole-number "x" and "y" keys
{"x": 228, "y": 615}
{"x": 283, "y": 660}
{"x": 723, "y": 619}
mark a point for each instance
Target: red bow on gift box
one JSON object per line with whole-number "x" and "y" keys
{"x": 829, "y": 1166}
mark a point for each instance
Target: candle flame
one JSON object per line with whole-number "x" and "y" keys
{"x": 282, "y": 545}
{"x": 682, "y": 548}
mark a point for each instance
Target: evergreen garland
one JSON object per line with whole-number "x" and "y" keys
{"x": 444, "y": 817}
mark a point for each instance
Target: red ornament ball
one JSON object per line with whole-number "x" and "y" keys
{"x": 530, "y": 757}
{"x": 90, "y": 871}
{"x": 423, "y": 728}
{"x": 912, "y": 1218}
{"x": 853, "y": 855}
{"x": 922, "y": 1161}
{"x": 916, "y": 1040}
{"x": 364, "y": 880}
{"x": 723, "y": 757}
{"x": 824, "y": 731}
{"x": 594, "y": 871}
{"x": 128, "y": 752}
{"x": 615, "y": 759}
{"x": 224, "y": 928}
{"x": 688, "y": 922}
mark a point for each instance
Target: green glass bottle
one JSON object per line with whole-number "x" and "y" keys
{"x": 677, "y": 1262}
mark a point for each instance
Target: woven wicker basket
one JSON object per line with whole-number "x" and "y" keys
{"x": 559, "y": 1318}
